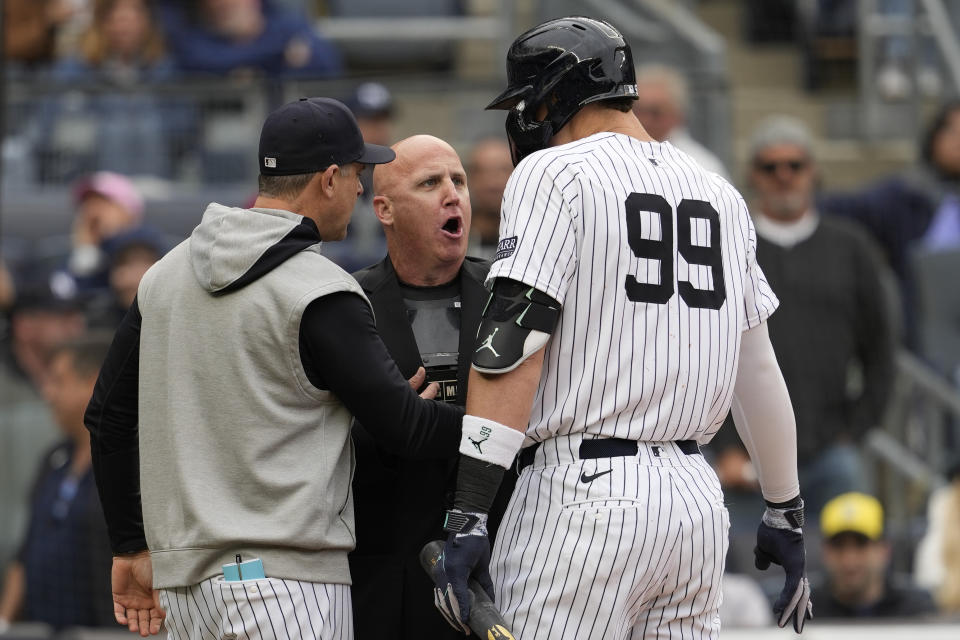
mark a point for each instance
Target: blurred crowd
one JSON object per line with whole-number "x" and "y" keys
{"x": 125, "y": 53}
{"x": 859, "y": 274}
{"x": 129, "y": 41}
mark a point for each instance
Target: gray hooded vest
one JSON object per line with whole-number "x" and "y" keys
{"x": 239, "y": 452}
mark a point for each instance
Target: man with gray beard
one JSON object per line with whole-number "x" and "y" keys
{"x": 833, "y": 334}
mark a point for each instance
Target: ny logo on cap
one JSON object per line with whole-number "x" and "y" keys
{"x": 270, "y": 162}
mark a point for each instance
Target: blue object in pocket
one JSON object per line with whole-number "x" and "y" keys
{"x": 249, "y": 570}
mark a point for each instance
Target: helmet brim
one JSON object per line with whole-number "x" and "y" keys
{"x": 509, "y": 98}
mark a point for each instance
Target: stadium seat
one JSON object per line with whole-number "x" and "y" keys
{"x": 431, "y": 55}
{"x": 935, "y": 271}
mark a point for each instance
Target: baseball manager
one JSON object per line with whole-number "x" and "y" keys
{"x": 223, "y": 411}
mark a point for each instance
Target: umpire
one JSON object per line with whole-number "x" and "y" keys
{"x": 229, "y": 392}
{"x": 427, "y": 297}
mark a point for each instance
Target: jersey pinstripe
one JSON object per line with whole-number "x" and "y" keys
{"x": 264, "y": 609}
{"x": 654, "y": 262}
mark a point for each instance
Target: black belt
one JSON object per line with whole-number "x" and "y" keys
{"x": 605, "y": 448}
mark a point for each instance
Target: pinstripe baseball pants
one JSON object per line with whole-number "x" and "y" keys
{"x": 264, "y": 609}
{"x": 612, "y": 548}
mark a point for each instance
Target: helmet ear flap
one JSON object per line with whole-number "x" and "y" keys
{"x": 526, "y": 135}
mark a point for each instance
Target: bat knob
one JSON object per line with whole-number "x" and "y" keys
{"x": 499, "y": 632}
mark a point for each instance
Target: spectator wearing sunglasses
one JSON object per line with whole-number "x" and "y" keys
{"x": 832, "y": 334}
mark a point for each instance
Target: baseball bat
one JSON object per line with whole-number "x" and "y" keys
{"x": 485, "y": 620}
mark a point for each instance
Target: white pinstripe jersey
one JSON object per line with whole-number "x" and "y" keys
{"x": 654, "y": 262}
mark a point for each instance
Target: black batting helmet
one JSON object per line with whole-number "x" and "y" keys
{"x": 564, "y": 64}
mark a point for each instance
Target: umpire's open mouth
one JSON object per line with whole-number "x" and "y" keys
{"x": 453, "y": 227}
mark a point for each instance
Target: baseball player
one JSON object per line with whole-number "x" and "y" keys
{"x": 627, "y": 314}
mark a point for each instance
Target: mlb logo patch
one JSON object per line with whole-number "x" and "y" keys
{"x": 270, "y": 162}
{"x": 505, "y": 248}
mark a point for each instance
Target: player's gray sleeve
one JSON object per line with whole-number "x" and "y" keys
{"x": 764, "y": 416}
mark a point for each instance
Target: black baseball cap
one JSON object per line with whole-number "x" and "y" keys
{"x": 311, "y": 134}
{"x": 370, "y": 100}
{"x": 53, "y": 291}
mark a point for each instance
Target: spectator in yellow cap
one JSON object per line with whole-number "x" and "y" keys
{"x": 856, "y": 559}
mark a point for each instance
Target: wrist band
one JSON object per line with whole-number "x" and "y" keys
{"x": 490, "y": 441}
{"x": 785, "y": 518}
{"x": 462, "y": 523}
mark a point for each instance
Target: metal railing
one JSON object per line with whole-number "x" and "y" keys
{"x": 492, "y": 21}
{"x": 945, "y": 36}
{"x": 921, "y": 428}
{"x": 194, "y": 134}
{"x": 930, "y": 22}
{"x": 184, "y": 132}
{"x": 411, "y": 29}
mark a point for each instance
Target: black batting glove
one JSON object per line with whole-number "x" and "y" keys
{"x": 780, "y": 541}
{"x": 466, "y": 554}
